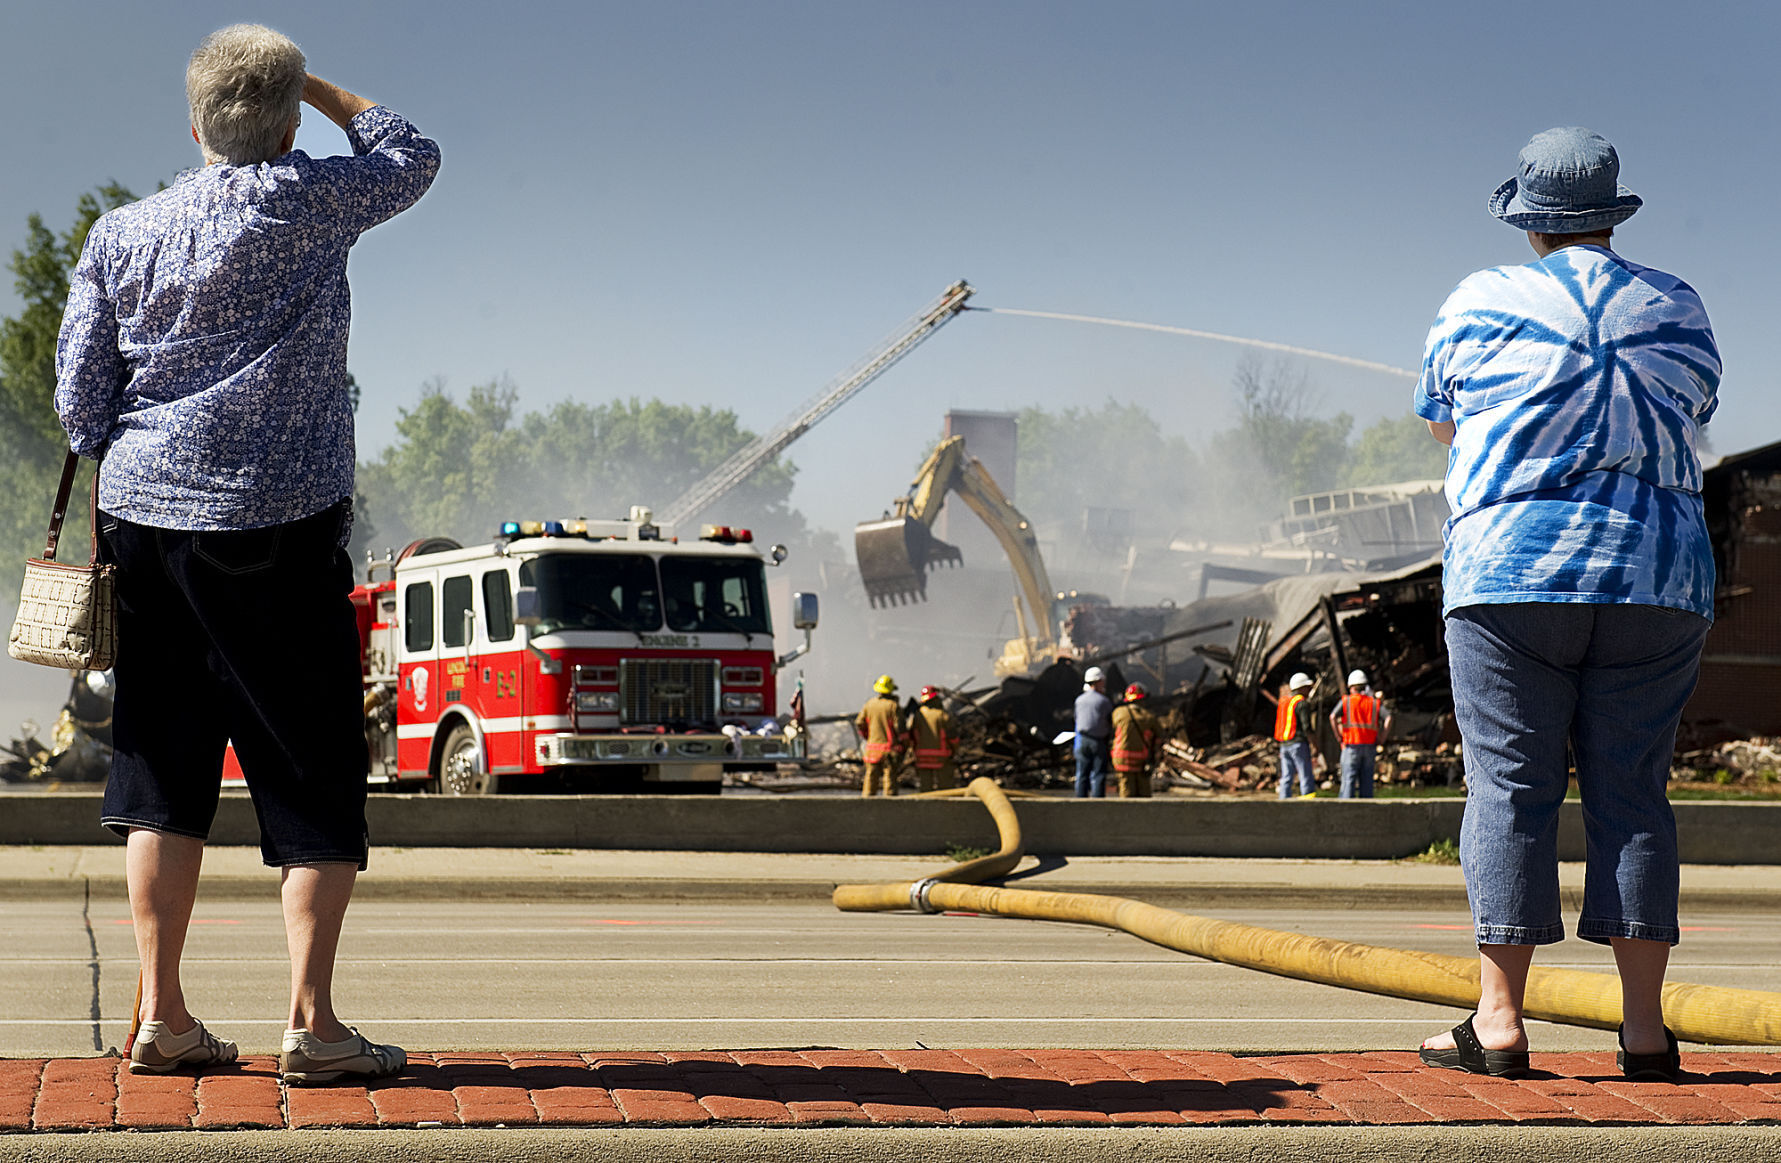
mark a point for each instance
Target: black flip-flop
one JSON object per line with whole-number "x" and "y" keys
{"x": 1468, "y": 1055}
{"x": 1661, "y": 1067}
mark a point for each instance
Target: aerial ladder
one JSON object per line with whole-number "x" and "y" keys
{"x": 761, "y": 451}
{"x": 896, "y": 552}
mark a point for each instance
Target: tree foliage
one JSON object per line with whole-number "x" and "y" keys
{"x": 1235, "y": 482}
{"x": 1396, "y": 449}
{"x": 32, "y": 444}
{"x": 28, "y": 343}
{"x": 1114, "y": 457}
{"x": 459, "y": 469}
{"x": 1296, "y": 450}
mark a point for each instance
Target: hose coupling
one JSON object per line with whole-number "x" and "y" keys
{"x": 918, "y": 895}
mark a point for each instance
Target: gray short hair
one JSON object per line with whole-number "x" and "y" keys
{"x": 245, "y": 86}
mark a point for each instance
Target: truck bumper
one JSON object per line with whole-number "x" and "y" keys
{"x": 568, "y": 749}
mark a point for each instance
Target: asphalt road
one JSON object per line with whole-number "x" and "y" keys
{"x": 512, "y": 976}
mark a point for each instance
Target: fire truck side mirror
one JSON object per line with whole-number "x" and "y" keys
{"x": 777, "y": 554}
{"x": 525, "y": 606}
{"x": 804, "y": 611}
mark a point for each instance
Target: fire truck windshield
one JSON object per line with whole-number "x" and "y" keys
{"x": 709, "y": 595}
{"x": 594, "y": 591}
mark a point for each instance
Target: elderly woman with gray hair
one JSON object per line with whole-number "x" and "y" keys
{"x": 202, "y": 362}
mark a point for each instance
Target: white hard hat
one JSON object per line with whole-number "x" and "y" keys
{"x": 1357, "y": 677}
{"x": 1093, "y": 674}
{"x": 1301, "y": 679}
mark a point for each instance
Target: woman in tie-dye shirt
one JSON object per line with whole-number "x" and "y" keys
{"x": 1579, "y": 585}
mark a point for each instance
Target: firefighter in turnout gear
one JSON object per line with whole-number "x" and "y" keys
{"x": 1137, "y": 738}
{"x": 932, "y": 731}
{"x": 881, "y": 738}
{"x": 1292, "y": 730}
{"x": 1361, "y": 721}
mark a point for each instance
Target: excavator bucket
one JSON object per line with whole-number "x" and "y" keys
{"x": 894, "y": 557}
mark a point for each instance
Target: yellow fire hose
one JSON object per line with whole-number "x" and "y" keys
{"x": 1696, "y": 1013}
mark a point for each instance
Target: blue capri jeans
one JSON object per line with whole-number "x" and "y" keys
{"x": 1610, "y": 681}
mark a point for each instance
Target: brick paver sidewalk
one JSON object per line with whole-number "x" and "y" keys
{"x": 888, "y": 1087}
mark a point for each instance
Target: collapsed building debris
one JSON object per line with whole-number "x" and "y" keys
{"x": 1739, "y": 692}
{"x": 79, "y": 750}
{"x": 1734, "y": 761}
{"x": 1212, "y": 663}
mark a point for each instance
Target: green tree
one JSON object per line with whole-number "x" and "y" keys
{"x": 1114, "y": 457}
{"x": 1396, "y": 449}
{"x": 460, "y": 469}
{"x": 31, "y": 440}
{"x": 1278, "y": 430}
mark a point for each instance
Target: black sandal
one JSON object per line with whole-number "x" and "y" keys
{"x": 1473, "y": 1058}
{"x": 1661, "y": 1067}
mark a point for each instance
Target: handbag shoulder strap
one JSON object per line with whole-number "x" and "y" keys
{"x": 93, "y": 521}
{"x": 60, "y": 509}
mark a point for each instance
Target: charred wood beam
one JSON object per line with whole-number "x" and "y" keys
{"x": 1337, "y": 654}
{"x": 1140, "y": 647}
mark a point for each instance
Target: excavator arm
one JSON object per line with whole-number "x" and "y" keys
{"x": 895, "y": 553}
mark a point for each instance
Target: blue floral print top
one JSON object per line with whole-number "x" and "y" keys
{"x": 203, "y": 348}
{"x": 1577, "y": 384}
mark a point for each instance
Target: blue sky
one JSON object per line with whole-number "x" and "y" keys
{"x": 729, "y": 203}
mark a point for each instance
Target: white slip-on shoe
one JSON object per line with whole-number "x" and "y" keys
{"x": 306, "y": 1058}
{"x": 156, "y": 1051}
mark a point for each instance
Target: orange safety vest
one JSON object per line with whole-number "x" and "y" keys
{"x": 1135, "y": 732}
{"x": 933, "y": 738}
{"x": 1359, "y": 719}
{"x": 877, "y": 724}
{"x": 1286, "y": 718}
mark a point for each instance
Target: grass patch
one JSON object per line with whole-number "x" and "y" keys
{"x": 1398, "y": 791}
{"x": 1440, "y": 852}
{"x": 1745, "y": 793}
{"x": 959, "y": 853}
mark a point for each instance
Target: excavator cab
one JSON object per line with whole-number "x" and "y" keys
{"x": 894, "y": 556}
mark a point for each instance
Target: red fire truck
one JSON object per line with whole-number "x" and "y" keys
{"x": 610, "y": 651}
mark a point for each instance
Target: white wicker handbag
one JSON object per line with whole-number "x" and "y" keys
{"x": 67, "y": 613}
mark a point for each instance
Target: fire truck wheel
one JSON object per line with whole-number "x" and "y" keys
{"x": 460, "y": 766}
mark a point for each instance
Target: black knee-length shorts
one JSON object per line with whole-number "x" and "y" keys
{"x": 247, "y": 636}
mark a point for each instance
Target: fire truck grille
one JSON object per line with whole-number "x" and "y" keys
{"x": 671, "y": 692}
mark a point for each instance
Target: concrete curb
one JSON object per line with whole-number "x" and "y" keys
{"x": 1708, "y": 832}
{"x": 1452, "y": 1144}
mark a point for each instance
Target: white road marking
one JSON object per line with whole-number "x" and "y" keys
{"x": 1676, "y": 968}
{"x": 385, "y": 961}
{"x": 778, "y": 1021}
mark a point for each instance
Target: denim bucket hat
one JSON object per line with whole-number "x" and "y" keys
{"x": 1569, "y": 184}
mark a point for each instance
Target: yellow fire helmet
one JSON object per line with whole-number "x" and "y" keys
{"x": 886, "y": 685}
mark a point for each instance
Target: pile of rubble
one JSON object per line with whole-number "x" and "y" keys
{"x": 79, "y": 746}
{"x": 1736, "y": 761}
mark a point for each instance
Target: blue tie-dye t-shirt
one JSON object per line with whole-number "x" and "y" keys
{"x": 1576, "y": 385}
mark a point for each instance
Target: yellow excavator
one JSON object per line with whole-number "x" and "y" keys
{"x": 896, "y": 552}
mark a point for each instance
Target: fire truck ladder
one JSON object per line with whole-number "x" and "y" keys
{"x": 763, "y": 449}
